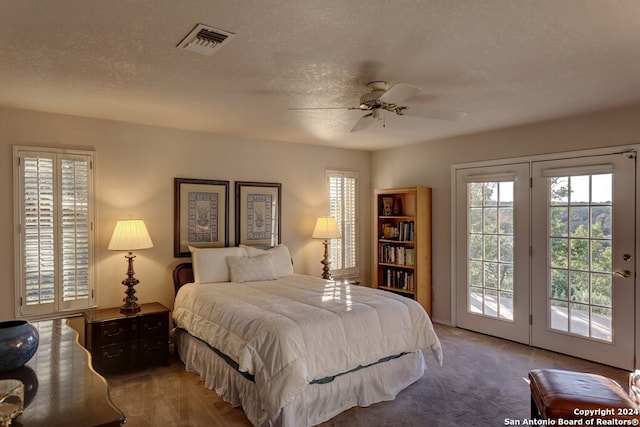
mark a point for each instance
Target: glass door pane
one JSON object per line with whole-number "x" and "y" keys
{"x": 490, "y": 249}
{"x": 580, "y": 211}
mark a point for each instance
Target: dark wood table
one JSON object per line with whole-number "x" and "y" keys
{"x": 61, "y": 387}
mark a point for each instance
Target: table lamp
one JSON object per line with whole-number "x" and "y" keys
{"x": 326, "y": 228}
{"x": 130, "y": 235}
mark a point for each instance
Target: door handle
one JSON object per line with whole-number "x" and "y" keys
{"x": 625, "y": 273}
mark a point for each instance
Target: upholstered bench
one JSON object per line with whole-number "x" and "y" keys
{"x": 572, "y": 395}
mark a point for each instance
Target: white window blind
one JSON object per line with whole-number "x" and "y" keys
{"x": 343, "y": 206}
{"x": 578, "y": 170}
{"x": 54, "y": 240}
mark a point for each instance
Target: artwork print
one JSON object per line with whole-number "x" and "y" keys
{"x": 201, "y": 214}
{"x": 259, "y": 216}
{"x": 257, "y": 213}
{"x": 203, "y": 217}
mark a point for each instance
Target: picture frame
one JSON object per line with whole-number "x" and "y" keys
{"x": 201, "y": 212}
{"x": 386, "y": 206}
{"x": 258, "y": 213}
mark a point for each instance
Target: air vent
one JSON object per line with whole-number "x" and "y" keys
{"x": 205, "y": 40}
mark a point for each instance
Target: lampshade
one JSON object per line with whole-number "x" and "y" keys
{"x": 130, "y": 235}
{"x": 326, "y": 228}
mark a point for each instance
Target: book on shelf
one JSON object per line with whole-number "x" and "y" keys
{"x": 399, "y": 279}
{"x": 397, "y": 206}
{"x": 394, "y": 254}
{"x": 406, "y": 231}
{"x": 410, "y": 257}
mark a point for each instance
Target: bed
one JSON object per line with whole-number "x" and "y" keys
{"x": 294, "y": 350}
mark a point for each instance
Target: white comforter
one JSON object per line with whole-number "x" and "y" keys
{"x": 290, "y": 331}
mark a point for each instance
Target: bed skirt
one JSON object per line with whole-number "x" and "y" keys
{"x": 317, "y": 403}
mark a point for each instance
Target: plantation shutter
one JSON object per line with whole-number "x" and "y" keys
{"x": 38, "y": 231}
{"x": 55, "y": 244}
{"x": 75, "y": 231}
{"x": 342, "y": 193}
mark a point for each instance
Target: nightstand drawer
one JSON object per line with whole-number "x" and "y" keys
{"x": 151, "y": 351}
{"x": 153, "y": 325}
{"x": 115, "y": 331}
{"x": 111, "y": 358}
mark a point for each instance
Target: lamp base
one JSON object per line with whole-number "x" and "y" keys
{"x": 130, "y": 308}
{"x": 130, "y": 305}
{"x": 326, "y": 273}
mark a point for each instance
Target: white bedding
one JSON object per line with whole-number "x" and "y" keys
{"x": 296, "y": 329}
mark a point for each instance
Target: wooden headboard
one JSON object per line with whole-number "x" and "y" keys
{"x": 182, "y": 274}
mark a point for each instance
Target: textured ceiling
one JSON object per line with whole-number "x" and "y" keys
{"x": 504, "y": 62}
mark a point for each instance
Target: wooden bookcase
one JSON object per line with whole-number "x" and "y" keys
{"x": 402, "y": 243}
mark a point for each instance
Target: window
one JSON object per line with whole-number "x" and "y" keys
{"x": 54, "y": 214}
{"x": 342, "y": 190}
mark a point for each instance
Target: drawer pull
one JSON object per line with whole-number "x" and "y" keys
{"x": 114, "y": 334}
{"x": 111, "y": 356}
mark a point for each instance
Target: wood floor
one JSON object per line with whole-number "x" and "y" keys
{"x": 481, "y": 383}
{"x": 170, "y": 396}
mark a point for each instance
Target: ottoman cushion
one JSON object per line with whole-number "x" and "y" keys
{"x": 571, "y": 395}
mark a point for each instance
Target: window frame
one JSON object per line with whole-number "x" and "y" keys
{"x": 58, "y": 307}
{"x": 337, "y": 245}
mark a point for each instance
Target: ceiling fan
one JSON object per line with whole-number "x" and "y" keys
{"x": 383, "y": 97}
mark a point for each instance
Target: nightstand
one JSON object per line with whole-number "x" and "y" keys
{"x": 118, "y": 342}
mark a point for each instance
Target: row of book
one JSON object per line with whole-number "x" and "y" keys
{"x": 398, "y": 279}
{"x": 393, "y": 254}
{"x": 403, "y": 231}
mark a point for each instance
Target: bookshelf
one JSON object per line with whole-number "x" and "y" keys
{"x": 402, "y": 243}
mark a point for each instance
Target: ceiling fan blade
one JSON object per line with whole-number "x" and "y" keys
{"x": 364, "y": 122}
{"x": 434, "y": 113}
{"x": 325, "y": 108}
{"x": 398, "y": 93}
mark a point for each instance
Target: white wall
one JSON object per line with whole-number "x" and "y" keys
{"x": 135, "y": 170}
{"x": 429, "y": 164}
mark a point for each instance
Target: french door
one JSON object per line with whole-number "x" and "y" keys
{"x": 545, "y": 254}
{"x": 582, "y": 288}
{"x": 492, "y": 250}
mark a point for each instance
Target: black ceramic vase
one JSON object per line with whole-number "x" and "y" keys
{"x": 18, "y": 343}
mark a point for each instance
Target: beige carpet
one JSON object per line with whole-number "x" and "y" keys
{"x": 480, "y": 384}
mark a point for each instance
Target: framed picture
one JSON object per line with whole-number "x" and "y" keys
{"x": 386, "y": 206}
{"x": 201, "y": 214}
{"x": 258, "y": 207}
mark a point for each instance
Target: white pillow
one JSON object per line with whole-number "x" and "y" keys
{"x": 210, "y": 264}
{"x": 251, "y": 269}
{"x": 281, "y": 258}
